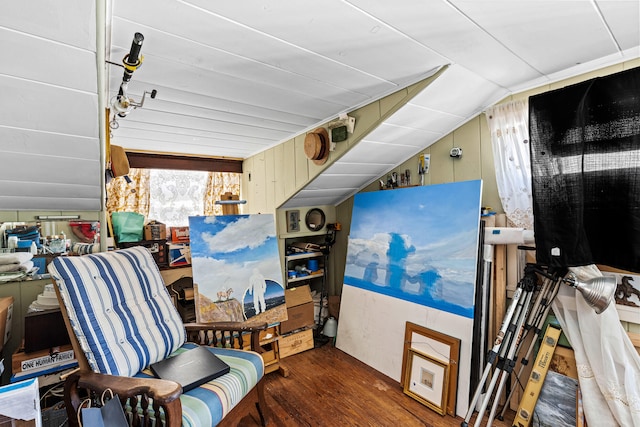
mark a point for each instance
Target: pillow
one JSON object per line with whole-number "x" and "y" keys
{"x": 119, "y": 308}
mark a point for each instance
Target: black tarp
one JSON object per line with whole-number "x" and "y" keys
{"x": 585, "y": 158}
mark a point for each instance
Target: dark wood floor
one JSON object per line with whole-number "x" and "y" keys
{"x": 327, "y": 387}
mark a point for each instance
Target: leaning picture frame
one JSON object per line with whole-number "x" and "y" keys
{"x": 441, "y": 347}
{"x": 427, "y": 381}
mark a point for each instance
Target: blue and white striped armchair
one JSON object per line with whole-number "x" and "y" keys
{"x": 118, "y": 309}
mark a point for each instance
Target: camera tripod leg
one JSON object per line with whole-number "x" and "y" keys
{"x": 497, "y": 346}
{"x": 548, "y": 293}
{"x": 506, "y": 364}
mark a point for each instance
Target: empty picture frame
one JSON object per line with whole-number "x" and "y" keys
{"x": 436, "y": 345}
{"x": 427, "y": 380}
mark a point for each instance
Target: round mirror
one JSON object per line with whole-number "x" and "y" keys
{"x": 315, "y": 219}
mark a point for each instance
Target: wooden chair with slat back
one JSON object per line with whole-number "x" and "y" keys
{"x": 99, "y": 294}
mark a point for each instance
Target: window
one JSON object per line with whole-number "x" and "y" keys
{"x": 171, "y": 196}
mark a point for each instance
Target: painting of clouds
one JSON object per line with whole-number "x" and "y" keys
{"x": 236, "y": 269}
{"x": 419, "y": 244}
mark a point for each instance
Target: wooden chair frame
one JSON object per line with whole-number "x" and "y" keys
{"x": 152, "y": 394}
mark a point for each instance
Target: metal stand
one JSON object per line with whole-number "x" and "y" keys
{"x": 330, "y": 239}
{"x": 548, "y": 292}
{"x": 505, "y": 345}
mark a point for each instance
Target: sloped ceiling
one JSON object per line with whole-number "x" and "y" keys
{"x": 49, "y": 129}
{"x": 235, "y": 78}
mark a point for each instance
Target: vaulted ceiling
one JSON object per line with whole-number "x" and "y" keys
{"x": 235, "y": 78}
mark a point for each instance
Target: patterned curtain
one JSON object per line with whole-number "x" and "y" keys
{"x": 123, "y": 196}
{"x": 171, "y": 196}
{"x": 509, "y": 127}
{"x": 219, "y": 183}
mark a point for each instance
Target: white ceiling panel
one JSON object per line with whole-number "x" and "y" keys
{"x": 211, "y": 83}
{"x": 57, "y": 57}
{"x": 459, "y": 92}
{"x": 236, "y": 78}
{"x": 335, "y": 30}
{"x": 241, "y": 43}
{"x": 168, "y": 133}
{"x": 73, "y": 22}
{"x": 441, "y": 26}
{"x": 182, "y": 99}
{"x": 425, "y": 119}
{"x": 398, "y": 136}
{"x": 243, "y": 70}
{"x": 622, "y": 20}
{"x": 54, "y": 145}
{"x": 376, "y": 152}
{"x": 355, "y": 169}
{"x": 25, "y": 104}
{"x": 226, "y": 149}
{"x": 549, "y": 35}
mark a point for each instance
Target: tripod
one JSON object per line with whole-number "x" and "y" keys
{"x": 505, "y": 345}
{"x": 548, "y": 292}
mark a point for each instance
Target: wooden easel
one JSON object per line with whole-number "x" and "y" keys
{"x": 230, "y": 208}
{"x": 230, "y": 204}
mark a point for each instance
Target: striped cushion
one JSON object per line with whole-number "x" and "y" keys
{"x": 119, "y": 309}
{"x": 207, "y": 405}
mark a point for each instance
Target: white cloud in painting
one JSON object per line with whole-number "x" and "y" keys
{"x": 214, "y": 275}
{"x": 247, "y": 232}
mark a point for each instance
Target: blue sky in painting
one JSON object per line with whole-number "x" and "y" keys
{"x": 417, "y": 244}
{"x": 226, "y": 249}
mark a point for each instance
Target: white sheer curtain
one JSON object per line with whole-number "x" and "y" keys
{"x": 509, "y": 128}
{"x": 175, "y": 195}
{"x": 607, "y": 363}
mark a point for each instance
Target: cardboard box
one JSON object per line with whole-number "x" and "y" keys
{"x": 158, "y": 249}
{"x": 155, "y": 230}
{"x": 299, "y": 309}
{"x": 6, "y": 318}
{"x": 180, "y": 235}
{"x": 295, "y": 343}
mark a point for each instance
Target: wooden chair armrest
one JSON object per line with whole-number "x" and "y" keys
{"x": 226, "y": 334}
{"x": 139, "y": 391}
{"x": 227, "y": 326}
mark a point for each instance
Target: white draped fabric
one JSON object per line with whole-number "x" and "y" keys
{"x": 509, "y": 128}
{"x": 607, "y": 363}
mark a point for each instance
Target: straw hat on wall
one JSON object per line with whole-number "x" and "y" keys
{"x": 317, "y": 146}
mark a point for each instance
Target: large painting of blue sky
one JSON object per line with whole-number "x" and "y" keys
{"x": 236, "y": 257}
{"x": 419, "y": 244}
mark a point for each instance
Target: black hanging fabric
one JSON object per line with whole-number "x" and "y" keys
{"x": 585, "y": 166}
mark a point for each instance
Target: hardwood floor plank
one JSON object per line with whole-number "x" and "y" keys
{"x": 327, "y": 387}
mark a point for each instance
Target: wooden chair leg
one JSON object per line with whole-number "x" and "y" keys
{"x": 261, "y": 404}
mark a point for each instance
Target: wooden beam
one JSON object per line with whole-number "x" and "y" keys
{"x": 167, "y": 161}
